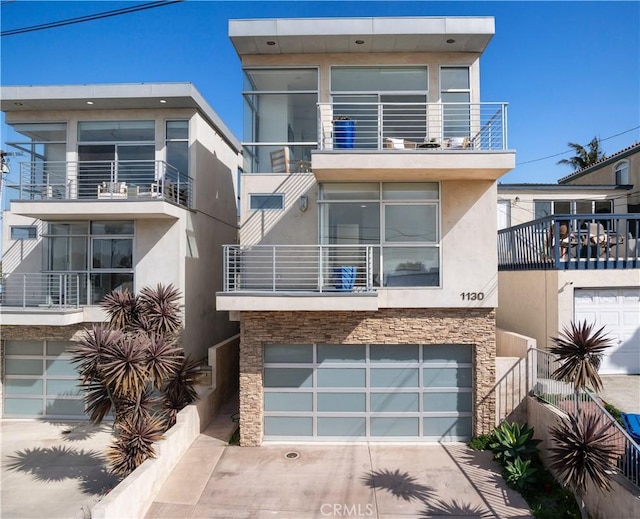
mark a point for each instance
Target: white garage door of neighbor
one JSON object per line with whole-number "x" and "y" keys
{"x": 326, "y": 392}
{"x": 618, "y": 310}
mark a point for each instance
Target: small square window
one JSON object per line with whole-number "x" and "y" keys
{"x": 264, "y": 202}
{"x": 24, "y": 232}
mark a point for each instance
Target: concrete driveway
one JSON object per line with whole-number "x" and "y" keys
{"x": 623, "y": 391}
{"x": 52, "y": 469}
{"x": 335, "y": 481}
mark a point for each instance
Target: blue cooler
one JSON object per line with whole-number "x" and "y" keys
{"x": 344, "y": 134}
{"x": 344, "y": 278}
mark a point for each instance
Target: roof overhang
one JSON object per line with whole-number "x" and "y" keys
{"x": 361, "y": 35}
{"x": 121, "y": 96}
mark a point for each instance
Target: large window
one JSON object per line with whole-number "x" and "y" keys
{"x": 177, "y": 143}
{"x": 455, "y": 93}
{"x": 100, "y": 253}
{"x": 544, "y": 208}
{"x": 279, "y": 112}
{"x": 621, "y": 172}
{"x": 401, "y": 219}
{"x": 384, "y": 102}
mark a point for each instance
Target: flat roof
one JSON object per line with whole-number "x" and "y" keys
{"x": 361, "y": 35}
{"x": 115, "y": 96}
{"x": 561, "y": 187}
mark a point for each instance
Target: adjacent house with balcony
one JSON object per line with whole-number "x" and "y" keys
{"x": 365, "y": 280}
{"x": 111, "y": 187}
{"x": 571, "y": 252}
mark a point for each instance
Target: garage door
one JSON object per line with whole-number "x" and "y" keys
{"x": 40, "y": 381}
{"x": 618, "y": 310}
{"x": 359, "y": 392}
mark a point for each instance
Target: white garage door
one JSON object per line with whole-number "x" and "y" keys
{"x": 40, "y": 381}
{"x": 356, "y": 392}
{"x": 618, "y": 310}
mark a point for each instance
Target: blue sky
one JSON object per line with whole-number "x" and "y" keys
{"x": 569, "y": 70}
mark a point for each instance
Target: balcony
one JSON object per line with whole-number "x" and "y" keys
{"x": 411, "y": 141}
{"x": 298, "y": 277}
{"x": 572, "y": 242}
{"x": 54, "y": 190}
{"x": 56, "y": 298}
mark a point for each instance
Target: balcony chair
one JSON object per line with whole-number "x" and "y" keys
{"x": 109, "y": 190}
{"x": 281, "y": 162}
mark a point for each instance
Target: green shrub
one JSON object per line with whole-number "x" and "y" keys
{"x": 514, "y": 441}
{"x": 519, "y": 473}
{"x": 614, "y": 412}
{"x": 482, "y": 442}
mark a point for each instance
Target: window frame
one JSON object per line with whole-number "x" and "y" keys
{"x": 281, "y": 196}
{"x": 29, "y": 228}
{"x": 621, "y": 169}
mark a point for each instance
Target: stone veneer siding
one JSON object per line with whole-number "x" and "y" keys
{"x": 35, "y": 333}
{"x": 388, "y": 326}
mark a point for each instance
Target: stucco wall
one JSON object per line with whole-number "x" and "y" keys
{"x": 401, "y": 326}
{"x": 539, "y": 304}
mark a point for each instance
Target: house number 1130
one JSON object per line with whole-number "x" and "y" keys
{"x": 472, "y": 296}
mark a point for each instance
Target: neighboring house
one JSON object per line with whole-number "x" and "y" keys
{"x": 620, "y": 169}
{"x": 365, "y": 281}
{"x": 111, "y": 187}
{"x": 572, "y": 253}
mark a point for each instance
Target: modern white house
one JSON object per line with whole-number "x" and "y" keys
{"x": 571, "y": 252}
{"x": 117, "y": 186}
{"x": 366, "y": 277}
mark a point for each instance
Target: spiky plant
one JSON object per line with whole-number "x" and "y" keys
{"x": 580, "y": 352}
{"x": 134, "y": 444}
{"x": 583, "y": 451}
{"x": 134, "y": 368}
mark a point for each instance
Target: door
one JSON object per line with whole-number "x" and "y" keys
{"x": 336, "y": 392}
{"x": 618, "y": 310}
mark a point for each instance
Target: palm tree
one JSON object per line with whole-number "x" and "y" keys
{"x": 583, "y": 157}
{"x": 134, "y": 367}
{"x": 583, "y": 450}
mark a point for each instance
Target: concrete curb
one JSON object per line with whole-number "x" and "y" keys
{"x": 133, "y": 495}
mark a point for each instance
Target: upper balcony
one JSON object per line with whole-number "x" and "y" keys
{"x": 411, "y": 141}
{"x": 52, "y": 190}
{"x": 572, "y": 242}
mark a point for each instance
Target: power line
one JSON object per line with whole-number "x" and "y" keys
{"x": 90, "y": 17}
{"x": 569, "y": 151}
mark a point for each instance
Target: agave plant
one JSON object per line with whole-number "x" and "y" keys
{"x": 513, "y": 441}
{"x": 583, "y": 450}
{"x": 134, "y": 369}
{"x": 519, "y": 473}
{"x": 580, "y": 352}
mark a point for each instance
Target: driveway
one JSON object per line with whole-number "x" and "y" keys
{"x": 335, "y": 481}
{"x": 52, "y": 469}
{"x": 623, "y": 391}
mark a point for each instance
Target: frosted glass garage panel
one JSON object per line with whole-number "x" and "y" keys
{"x": 447, "y": 426}
{"x": 23, "y": 406}
{"x": 447, "y": 377}
{"x": 288, "y": 377}
{"x": 23, "y": 348}
{"x": 339, "y": 353}
{"x": 288, "y": 426}
{"x": 344, "y": 427}
{"x": 342, "y": 402}
{"x": 58, "y": 347}
{"x": 447, "y": 402}
{"x": 341, "y": 377}
{"x": 65, "y": 407}
{"x": 394, "y": 377}
{"x": 393, "y": 353}
{"x": 61, "y": 367}
{"x": 447, "y": 354}
{"x": 63, "y": 388}
{"x": 288, "y": 402}
{"x": 23, "y": 367}
{"x": 23, "y": 387}
{"x": 394, "y": 402}
{"x": 288, "y": 353}
{"x": 395, "y": 426}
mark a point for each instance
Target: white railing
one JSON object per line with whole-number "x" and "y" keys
{"x": 42, "y": 289}
{"x": 103, "y": 180}
{"x": 450, "y": 126}
{"x": 563, "y": 396}
{"x": 298, "y": 268}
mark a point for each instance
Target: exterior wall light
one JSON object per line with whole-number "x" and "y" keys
{"x": 303, "y": 203}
